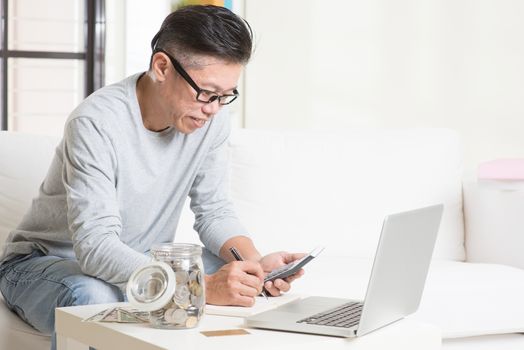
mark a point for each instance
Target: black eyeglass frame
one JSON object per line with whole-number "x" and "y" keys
{"x": 191, "y": 82}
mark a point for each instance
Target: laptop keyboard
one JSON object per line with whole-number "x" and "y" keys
{"x": 346, "y": 316}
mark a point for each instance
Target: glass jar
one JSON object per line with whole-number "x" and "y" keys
{"x": 171, "y": 287}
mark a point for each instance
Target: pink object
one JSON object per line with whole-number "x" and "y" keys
{"x": 502, "y": 169}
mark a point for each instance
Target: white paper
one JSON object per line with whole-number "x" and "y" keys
{"x": 261, "y": 304}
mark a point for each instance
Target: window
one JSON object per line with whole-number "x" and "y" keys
{"x": 52, "y": 56}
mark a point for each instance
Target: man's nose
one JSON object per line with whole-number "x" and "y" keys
{"x": 211, "y": 107}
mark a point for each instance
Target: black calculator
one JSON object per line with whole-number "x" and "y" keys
{"x": 292, "y": 267}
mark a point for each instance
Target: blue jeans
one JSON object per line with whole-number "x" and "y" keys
{"x": 34, "y": 285}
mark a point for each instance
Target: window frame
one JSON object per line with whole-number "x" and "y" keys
{"x": 93, "y": 54}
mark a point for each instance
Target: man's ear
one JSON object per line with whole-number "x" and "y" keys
{"x": 160, "y": 66}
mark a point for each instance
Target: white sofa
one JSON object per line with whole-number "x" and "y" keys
{"x": 296, "y": 190}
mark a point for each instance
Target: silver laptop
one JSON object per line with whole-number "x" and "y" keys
{"x": 394, "y": 290}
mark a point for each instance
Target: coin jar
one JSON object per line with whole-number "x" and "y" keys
{"x": 171, "y": 287}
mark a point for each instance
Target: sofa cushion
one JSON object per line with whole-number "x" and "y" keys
{"x": 471, "y": 299}
{"x": 485, "y": 342}
{"x": 16, "y": 334}
{"x": 295, "y": 190}
{"x": 24, "y": 160}
{"x": 494, "y": 221}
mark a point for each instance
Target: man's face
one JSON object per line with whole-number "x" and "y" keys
{"x": 213, "y": 75}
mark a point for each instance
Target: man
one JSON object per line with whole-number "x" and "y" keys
{"x": 131, "y": 153}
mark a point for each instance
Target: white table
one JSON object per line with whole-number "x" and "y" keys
{"x": 405, "y": 334}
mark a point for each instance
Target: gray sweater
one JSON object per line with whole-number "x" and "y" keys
{"x": 115, "y": 188}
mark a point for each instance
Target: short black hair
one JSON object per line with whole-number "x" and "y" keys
{"x": 206, "y": 30}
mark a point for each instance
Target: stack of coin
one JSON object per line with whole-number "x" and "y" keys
{"x": 186, "y": 307}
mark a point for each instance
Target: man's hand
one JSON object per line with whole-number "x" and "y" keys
{"x": 236, "y": 283}
{"x": 275, "y": 260}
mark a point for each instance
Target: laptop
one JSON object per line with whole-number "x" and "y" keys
{"x": 394, "y": 290}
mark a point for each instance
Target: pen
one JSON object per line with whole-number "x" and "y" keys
{"x": 238, "y": 257}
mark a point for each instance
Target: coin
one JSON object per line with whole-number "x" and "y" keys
{"x": 179, "y": 316}
{"x": 195, "y": 288}
{"x": 180, "y": 265}
{"x": 182, "y": 291}
{"x": 197, "y": 301}
{"x": 191, "y": 322}
{"x": 181, "y": 296}
{"x": 157, "y": 313}
{"x": 184, "y": 303}
{"x": 199, "y": 277}
{"x": 192, "y": 311}
{"x": 168, "y": 315}
{"x": 182, "y": 277}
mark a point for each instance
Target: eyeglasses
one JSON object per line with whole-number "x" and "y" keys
{"x": 203, "y": 95}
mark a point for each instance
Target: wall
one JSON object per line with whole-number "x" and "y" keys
{"x": 379, "y": 63}
{"x": 346, "y": 63}
{"x": 131, "y": 25}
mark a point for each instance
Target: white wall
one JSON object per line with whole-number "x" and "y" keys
{"x": 131, "y": 24}
{"x": 380, "y": 63}
{"x": 115, "y": 56}
{"x": 346, "y": 63}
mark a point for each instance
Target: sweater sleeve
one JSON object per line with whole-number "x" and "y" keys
{"x": 89, "y": 176}
{"x": 215, "y": 218}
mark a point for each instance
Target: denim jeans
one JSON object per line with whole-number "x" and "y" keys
{"x": 34, "y": 285}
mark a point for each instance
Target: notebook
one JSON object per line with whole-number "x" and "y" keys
{"x": 261, "y": 304}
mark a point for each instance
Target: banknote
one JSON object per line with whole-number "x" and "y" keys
{"x": 98, "y": 316}
{"x": 119, "y": 315}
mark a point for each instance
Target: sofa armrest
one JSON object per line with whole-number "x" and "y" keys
{"x": 494, "y": 223}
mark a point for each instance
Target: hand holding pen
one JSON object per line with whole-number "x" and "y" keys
{"x": 238, "y": 257}
{"x": 235, "y": 284}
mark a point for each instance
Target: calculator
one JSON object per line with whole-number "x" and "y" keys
{"x": 292, "y": 267}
